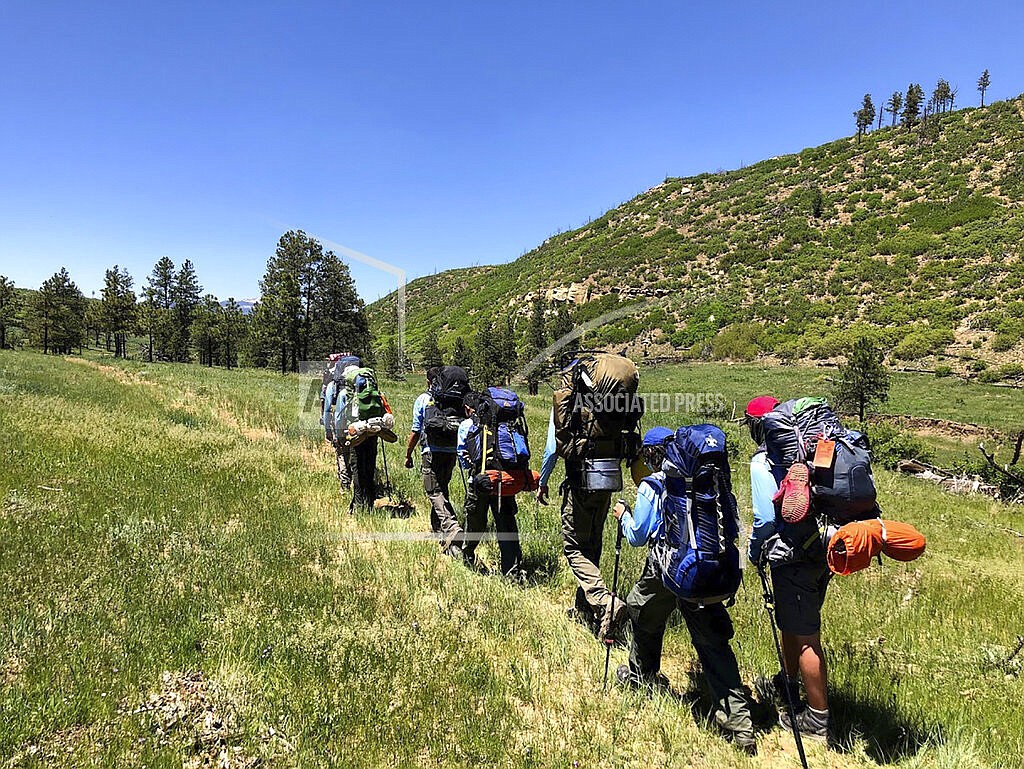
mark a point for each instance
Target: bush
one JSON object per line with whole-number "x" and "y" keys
{"x": 943, "y": 371}
{"x": 890, "y": 444}
{"x": 989, "y": 376}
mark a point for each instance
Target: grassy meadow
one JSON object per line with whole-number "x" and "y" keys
{"x": 181, "y": 585}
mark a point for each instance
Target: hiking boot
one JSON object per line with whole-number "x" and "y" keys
{"x": 631, "y": 680}
{"x": 796, "y": 493}
{"x": 812, "y": 724}
{"x": 611, "y": 621}
{"x": 780, "y": 683}
{"x": 737, "y": 729}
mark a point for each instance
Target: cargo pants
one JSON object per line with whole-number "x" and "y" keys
{"x": 436, "y": 469}
{"x": 344, "y": 466}
{"x": 583, "y": 517}
{"x": 650, "y": 604}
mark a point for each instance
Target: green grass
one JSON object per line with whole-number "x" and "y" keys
{"x": 173, "y": 518}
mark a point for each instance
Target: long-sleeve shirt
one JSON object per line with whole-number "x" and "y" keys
{"x": 461, "y": 448}
{"x": 547, "y": 465}
{"x": 419, "y": 409}
{"x": 327, "y": 418}
{"x": 644, "y": 525}
{"x": 763, "y": 485}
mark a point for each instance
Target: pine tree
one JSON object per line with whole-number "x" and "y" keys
{"x": 894, "y": 105}
{"x": 561, "y": 327}
{"x": 430, "y": 352}
{"x": 983, "y": 83}
{"x": 392, "y": 360}
{"x": 234, "y": 327}
{"x": 941, "y": 96}
{"x": 338, "y": 315}
{"x": 536, "y": 342}
{"x": 461, "y": 355}
{"x": 863, "y": 380}
{"x": 288, "y": 297}
{"x": 118, "y": 310}
{"x": 206, "y": 330}
{"x": 865, "y": 116}
{"x": 186, "y": 297}
{"x": 160, "y": 324}
{"x": 9, "y": 307}
{"x": 56, "y": 315}
{"x": 912, "y": 105}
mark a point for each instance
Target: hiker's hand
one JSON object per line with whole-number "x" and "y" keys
{"x": 542, "y": 494}
{"x": 618, "y": 510}
{"x": 408, "y": 461}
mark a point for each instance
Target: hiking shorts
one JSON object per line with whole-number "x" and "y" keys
{"x": 799, "y": 594}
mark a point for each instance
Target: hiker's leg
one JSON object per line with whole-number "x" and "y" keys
{"x": 711, "y": 631}
{"x": 583, "y": 517}
{"x": 799, "y": 594}
{"x": 364, "y": 487}
{"x": 649, "y": 604}
{"x": 429, "y": 485}
{"x": 343, "y": 458}
{"x": 475, "y": 512}
{"x": 507, "y": 529}
{"x": 451, "y": 529}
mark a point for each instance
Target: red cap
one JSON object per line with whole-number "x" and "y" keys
{"x": 760, "y": 406}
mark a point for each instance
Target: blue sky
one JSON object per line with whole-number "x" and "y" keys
{"x": 427, "y": 135}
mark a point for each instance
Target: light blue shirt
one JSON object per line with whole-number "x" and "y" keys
{"x": 763, "y": 485}
{"x": 644, "y": 525}
{"x": 461, "y": 449}
{"x": 419, "y": 408}
{"x": 327, "y": 417}
{"x": 547, "y": 465}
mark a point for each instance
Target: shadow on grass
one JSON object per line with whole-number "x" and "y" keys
{"x": 889, "y": 735}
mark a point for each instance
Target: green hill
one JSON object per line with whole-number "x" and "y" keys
{"x": 915, "y": 234}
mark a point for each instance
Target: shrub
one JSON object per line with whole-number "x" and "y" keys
{"x": 890, "y": 444}
{"x": 943, "y": 371}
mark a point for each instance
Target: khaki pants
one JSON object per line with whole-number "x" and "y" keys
{"x": 583, "y": 517}
{"x": 650, "y": 604}
{"x": 437, "y": 475}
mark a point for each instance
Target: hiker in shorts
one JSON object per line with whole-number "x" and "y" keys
{"x": 478, "y": 500}
{"x": 583, "y": 515}
{"x": 650, "y": 604}
{"x": 436, "y": 466}
{"x": 800, "y": 576}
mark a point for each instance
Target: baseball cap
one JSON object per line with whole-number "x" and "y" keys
{"x": 759, "y": 406}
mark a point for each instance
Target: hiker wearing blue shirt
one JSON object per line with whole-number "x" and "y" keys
{"x": 800, "y": 577}
{"x": 650, "y": 604}
{"x": 503, "y": 509}
{"x": 436, "y": 466}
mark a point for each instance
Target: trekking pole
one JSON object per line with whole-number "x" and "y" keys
{"x": 609, "y": 642}
{"x": 769, "y": 604}
{"x": 387, "y": 475}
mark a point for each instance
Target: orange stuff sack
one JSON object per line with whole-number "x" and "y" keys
{"x": 854, "y": 545}
{"x": 511, "y": 483}
{"x": 902, "y": 541}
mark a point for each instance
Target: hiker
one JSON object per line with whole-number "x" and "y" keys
{"x": 329, "y": 390}
{"x": 478, "y": 453}
{"x": 799, "y": 576}
{"x": 593, "y": 427}
{"x": 436, "y": 416}
{"x": 651, "y": 602}
{"x": 360, "y": 415}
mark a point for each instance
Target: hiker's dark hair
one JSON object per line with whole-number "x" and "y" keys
{"x": 473, "y": 400}
{"x": 432, "y": 373}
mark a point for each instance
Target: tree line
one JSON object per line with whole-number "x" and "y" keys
{"x": 308, "y": 308}
{"x": 910, "y": 106}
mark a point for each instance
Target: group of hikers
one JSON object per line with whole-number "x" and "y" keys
{"x": 815, "y": 513}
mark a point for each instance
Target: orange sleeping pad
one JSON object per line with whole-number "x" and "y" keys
{"x": 855, "y": 544}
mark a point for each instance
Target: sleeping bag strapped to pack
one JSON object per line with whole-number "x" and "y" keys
{"x": 854, "y": 545}
{"x": 444, "y": 412}
{"x": 498, "y": 438}
{"x": 807, "y": 430}
{"x": 697, "y": 556}
{"x": 597, "y": 409}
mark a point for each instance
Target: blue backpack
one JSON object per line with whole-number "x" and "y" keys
{"x": 498, "y": 439}
{"x": 697, "y": 555}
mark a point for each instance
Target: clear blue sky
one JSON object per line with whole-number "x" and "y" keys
{"x": 429, "y": 135}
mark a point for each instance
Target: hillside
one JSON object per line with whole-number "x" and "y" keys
{"x": 916, "y": 234}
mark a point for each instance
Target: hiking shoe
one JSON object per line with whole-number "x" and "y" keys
{"x": 739, "y": 730}
{"x": 631, "y": 680}
{"x": 611, "y": 621}
{"x": 780, "y": 683}
{"x": 811, "y": 725}
{"x": 796, "y": 493}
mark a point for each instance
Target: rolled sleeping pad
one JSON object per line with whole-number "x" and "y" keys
{"x": 360, "y": 430}
{"x": 854, "y": 545}
{"x": 511, "y": 483}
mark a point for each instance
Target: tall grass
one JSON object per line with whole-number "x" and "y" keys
{"x": 171, "y": 518}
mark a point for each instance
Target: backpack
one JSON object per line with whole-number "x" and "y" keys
{"x": 363, "y": 397}
{"x": 696, "y": 556}
{"x": 842, "y": 489}
{"x": 498, "y": 439}
{"x": 444, "y": 412}
{"x": 597, "y": 409}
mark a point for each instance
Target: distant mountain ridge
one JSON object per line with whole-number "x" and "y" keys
{"x": 913, "y": 235}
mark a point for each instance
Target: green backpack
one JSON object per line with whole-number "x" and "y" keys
{"x": 363, "y": 395}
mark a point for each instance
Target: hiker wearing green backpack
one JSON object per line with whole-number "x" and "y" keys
{"x": 333, "y": 385}
{"x": 593, "y": 427}
{"x": 786, "y": 539}
{"x": 690, "y": 465}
